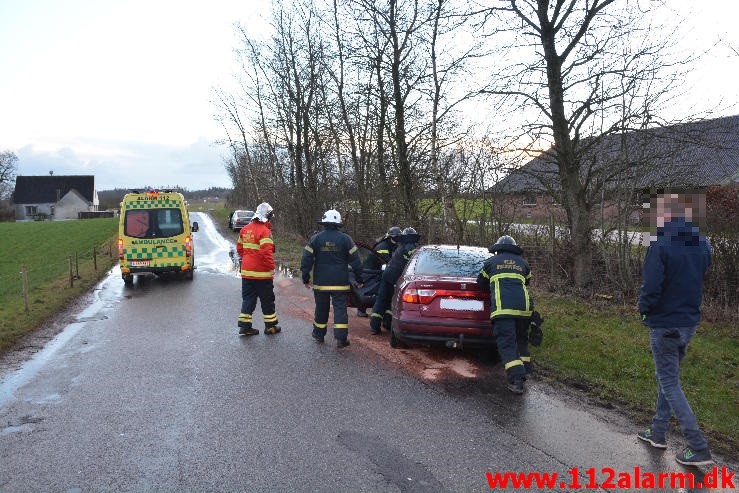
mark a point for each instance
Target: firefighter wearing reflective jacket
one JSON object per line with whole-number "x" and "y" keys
{"x": 381, "y": 313}
{"x": 506, "y": 274}
{"x": 327, "y": 255}
{"x": 256, "y": 249}
{"x": 384, "y": 250}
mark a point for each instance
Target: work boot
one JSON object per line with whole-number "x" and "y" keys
{"x": 362, "y": 313}
{"x": 243, "y": 331}
{"x": 516, "y": 385}
{"x": 342, "y": 343}
{"x": 272, "y": 329}
{"x": 317, "y": 337}
{"x": 375, "y": 322}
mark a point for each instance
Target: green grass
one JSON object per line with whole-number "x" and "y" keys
{"x": 605, "y": 352}
{"x": 43, "y": 248}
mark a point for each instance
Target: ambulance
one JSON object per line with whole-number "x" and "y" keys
{"x": 155, "y": 235}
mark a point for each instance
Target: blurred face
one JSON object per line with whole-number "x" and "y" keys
{"x": 670, "y": 206}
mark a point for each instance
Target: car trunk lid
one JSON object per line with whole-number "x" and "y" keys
{"x": 449, "y": 297}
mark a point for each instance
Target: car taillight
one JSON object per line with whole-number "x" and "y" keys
{"x": 188, "y": 246}
{"x": 120, "y": 248}
{"x": 453, "y": 293}
{"x": 422, "y": 296}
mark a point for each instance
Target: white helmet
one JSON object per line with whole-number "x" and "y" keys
{"x": 331, "y": 216}
{"x": 264, "y": 212}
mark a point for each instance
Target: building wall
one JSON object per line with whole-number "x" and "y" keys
{"x": 70, "y": 205}
{"x": 22, "y": 215}
{"x": 541, "y": 208}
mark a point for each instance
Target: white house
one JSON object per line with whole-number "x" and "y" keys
{"x": 54, "y": 197}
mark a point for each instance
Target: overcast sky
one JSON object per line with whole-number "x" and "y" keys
{"x": 122, "y": 89}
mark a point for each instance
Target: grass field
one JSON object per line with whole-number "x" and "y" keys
{"x": 43, "y": 248}
{"x": 604, "y": 351}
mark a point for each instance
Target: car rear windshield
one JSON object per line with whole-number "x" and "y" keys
{"x": 153, "y": 223}
{"x": 449, "y": 262}
{"x": 244, "y": 213}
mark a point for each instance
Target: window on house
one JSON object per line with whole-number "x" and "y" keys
{"x": 529, "y": 199}
{"x": 52, "y": 209}
{"x": 31, "y": 210}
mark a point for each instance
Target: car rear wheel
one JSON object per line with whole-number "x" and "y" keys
{"x": 396, "y": 343}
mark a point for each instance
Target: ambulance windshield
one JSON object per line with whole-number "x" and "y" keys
{"x": 153, "y": 223}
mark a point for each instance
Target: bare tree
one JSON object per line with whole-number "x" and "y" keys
{"x": 8, "y": 170}
{"x": 580, "y": 60}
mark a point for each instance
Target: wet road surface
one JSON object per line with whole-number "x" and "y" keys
{"x": 150, "y": 388}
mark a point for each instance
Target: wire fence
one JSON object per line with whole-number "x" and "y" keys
{"x": 28, "y": 278}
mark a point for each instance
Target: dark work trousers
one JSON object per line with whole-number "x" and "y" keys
{"x": 511, "y": 336}
{"x": 251, "y": 289}
{"x": 381, "y": 312}
{"x": 341, "y": 319}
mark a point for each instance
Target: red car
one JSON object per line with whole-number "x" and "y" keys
{"x": 437, "y": 300}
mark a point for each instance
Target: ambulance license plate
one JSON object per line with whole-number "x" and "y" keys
{"x": 139, "y": 263}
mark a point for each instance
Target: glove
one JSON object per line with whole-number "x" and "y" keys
{"x": 535, "y": 333}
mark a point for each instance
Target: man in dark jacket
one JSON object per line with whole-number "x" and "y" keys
{"x": 506, "y": 275}
{"x": 669, "y": 304}
{"x": 381, "y": 313}
{"x": 328, "y": 254}
{"x": 384, "y": 250}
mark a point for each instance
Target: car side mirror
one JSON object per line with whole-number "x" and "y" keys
{"x": 194, "y": 226}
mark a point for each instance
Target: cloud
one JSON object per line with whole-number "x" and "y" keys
{"x": 129, "y": 164}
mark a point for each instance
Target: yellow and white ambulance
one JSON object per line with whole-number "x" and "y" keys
{"x": 155, "y": 235}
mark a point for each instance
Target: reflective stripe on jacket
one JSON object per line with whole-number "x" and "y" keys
{"x": 506, "y": 276}
{"x": 328, "y": 255}
{"x": 384, "y": 249}
{"x": 256, "y": 248}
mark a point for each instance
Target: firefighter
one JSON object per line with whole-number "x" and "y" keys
{"x": 506, "y": 275}
{"x": 381, "y": 313}
{"x": 256, "y": 249}
{"x": 327, "y": 255}
{"x": 384, "y": 250}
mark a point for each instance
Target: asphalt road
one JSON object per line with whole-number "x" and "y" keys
{"x": 149, "y": 388}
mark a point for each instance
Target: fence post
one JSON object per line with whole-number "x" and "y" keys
{"x": 24, "y": 284}
{"x": 76, "y": 265}
{"x": 95, "y": 258}
{"x": 71, "y": 277}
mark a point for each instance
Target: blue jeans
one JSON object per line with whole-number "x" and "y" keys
{"x": 669, "y": 346}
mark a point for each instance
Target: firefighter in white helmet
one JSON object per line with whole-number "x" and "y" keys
{"x": 327, "y": 255}
{"x": 256, "y": 249}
